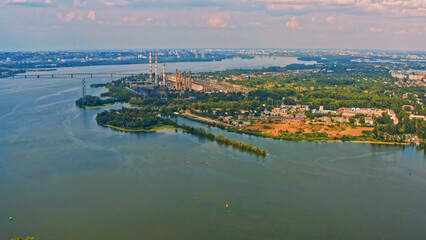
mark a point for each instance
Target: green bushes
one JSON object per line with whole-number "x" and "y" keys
{"x": 240, "y": 145}
{"x": 145, "y": 119}
{"x": 200, "y": 132}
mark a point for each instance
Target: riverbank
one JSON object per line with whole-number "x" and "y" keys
{"x": 96, "y": 107}
{"x": 194, "y": 117}
{"x": 153, "y": 129}
{"x": 295, "y": 138}
{"x": 381, "y": 143}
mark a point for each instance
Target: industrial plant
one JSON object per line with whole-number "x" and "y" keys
{"x": 157, "y": 84}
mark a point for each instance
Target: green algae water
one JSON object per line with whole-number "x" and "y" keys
{"x": 64, "y": 177}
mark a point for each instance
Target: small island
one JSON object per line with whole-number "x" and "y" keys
{"x": 91, "y": 102}
{"x": 134, "y": 120}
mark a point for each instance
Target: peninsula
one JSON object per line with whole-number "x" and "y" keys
{"x": 359, "y": 102}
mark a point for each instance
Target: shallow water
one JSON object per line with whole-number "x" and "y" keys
{"x": 64, "y": 177}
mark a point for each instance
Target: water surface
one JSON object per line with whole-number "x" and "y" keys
{"x": 64, "y": 177}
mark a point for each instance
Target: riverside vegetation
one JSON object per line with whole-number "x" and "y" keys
{"x": 341, "y": 85}
{"x": 145, "y": 120}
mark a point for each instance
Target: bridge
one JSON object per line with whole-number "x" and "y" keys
{"x": 72, "y": 75}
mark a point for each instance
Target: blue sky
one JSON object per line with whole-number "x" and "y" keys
{"x": 113, "y": 24}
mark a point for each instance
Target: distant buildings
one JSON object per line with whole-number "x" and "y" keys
{"x": 297, "y": 113}
{"x": 368, "y": 112}
{"x": 413, "y": 75}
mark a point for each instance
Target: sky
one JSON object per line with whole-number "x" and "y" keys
{"x": 143, "y": 24}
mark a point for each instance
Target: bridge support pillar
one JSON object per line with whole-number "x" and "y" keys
{"x": 72, "y": 75}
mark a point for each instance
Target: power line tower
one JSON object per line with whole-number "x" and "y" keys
{"x": 83, "y": 85}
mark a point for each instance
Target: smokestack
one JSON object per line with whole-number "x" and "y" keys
{"x": 180, "y": 80}
{"x": 164, "y": 74}
{"x": 176, "y": 82}
{"x": 150, "y": 66}
{"x": 190, "y": 81}
{"x": 185, "y": 84}
{"x": 156, "y": 68}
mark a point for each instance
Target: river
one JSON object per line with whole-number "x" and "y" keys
{"x": 64, "y": 177}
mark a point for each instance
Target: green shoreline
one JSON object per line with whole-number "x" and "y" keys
{"x": 96, "y": 107}
{"x": 154, "y": 129}
{"x": 258, "y": 134}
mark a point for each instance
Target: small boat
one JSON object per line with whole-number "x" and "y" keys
{"x": 10, "y": 218}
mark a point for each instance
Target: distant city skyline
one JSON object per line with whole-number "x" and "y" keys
{"x": 141, "y": 24}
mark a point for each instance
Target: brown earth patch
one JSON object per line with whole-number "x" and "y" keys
{"x": 332, "y": 129}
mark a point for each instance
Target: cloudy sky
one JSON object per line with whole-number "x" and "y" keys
{"x": 107, "y": 24}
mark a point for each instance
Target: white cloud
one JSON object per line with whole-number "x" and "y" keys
{"x": 386, "y": 7}
{"x": 115, "y": 2}
{"x": 79, "y": 3}
{"x": 331, "y": 19}
{"x": 70, "y": 16}
{"x": 257, "y": 25}
{"x": 30, "y": 3}
{"x": 375, "y": 30}
{"x": 217, "y": 20}
{"x": 294, "y": 23}
{"x": 408, "y": 31}
{"x": 134, "y": 21}
{"x": 91, "y": 16}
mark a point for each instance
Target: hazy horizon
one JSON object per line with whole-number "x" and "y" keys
{"x": 219, "y": 48}
{"x": 32, "y": 25}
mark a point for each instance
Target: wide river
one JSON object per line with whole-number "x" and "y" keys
{"x": 63, "y": 177}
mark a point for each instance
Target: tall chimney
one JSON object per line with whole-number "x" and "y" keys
{"x": 164, "y": 74}
{"x": 190, "y": 81}
{"x": 180, "y": 80}
{"x": 176, "y": 82}
{"x": 184, "y": 81}
{"x": 156, "y": 68}
{"x": 150, "y": 66}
